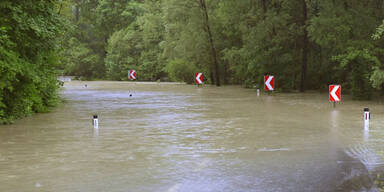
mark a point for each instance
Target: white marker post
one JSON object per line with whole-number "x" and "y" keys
{"x": 95, "y": 122}
{"x": 367, "y": 117}
{"x": 258, "y": 92}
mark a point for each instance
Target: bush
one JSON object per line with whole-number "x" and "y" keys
{"x": 28, "y": 58}
{"x": 359, "y": 63}
{"x": 181, "y": 70}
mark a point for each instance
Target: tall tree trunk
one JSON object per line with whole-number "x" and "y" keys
{"x": 264, "y": 5}
{"x": 213, "y": 48}
{"x": 77, "y": 13}
{"x": 61, "y": 6}
{"x": 226, "y": 81}
{"x": 305, "y": 42}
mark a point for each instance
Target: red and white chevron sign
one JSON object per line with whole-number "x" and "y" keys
{"x": 269, "y": 83}
{"x": 334, "y": 93}
{"x": 199, "y": 78}
{"x": 132, "y": 74}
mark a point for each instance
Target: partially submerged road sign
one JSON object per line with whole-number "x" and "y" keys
{"x": 132, "y": 74}
{"x": 269, "y": 83}
{"x": 199, "y": 78}
{"x": 334, "y": 93}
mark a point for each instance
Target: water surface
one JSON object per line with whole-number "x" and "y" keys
{"x": 175, "y": 137}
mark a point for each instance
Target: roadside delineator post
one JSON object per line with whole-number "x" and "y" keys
{"x": 95, "y": 122}
{"x": 367, "y": 117}
{"x": 258, "y": 92}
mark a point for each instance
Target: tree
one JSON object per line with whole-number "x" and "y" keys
{"x": 207, "y": 27}
{"x": 306, "y": 44}
{"x": 304, "y": 48}
{"x": 28, "y": 57}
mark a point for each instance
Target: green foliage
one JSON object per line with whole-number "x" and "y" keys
{"x": 80, "y": 60}
{"x": 181, "y": 70}
{"x": 186, "y": 36}
{"x": 138, "y": 45}
{"x": 377, "y": 78}
{"x": 304, "y": 44}
{"x": 28, "y": 57}
{"x": 360, "y": 64}
{"x": 379, "y": 32}
{"x": 123, "y": 53}
{"x": 96, "y": 21}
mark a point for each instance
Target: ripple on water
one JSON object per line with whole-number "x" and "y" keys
{"x": 172, "y": 137}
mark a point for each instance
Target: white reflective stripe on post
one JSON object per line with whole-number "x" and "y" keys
{"x": 367, "y": 117}
{"x": 95, "y": 122}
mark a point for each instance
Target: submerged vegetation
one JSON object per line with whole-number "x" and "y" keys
{"x": 305, "y": 44}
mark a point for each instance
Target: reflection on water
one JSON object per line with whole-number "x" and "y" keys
{"x": 95, "y": 132}
{"x": 366, "y": 134}
{"x": 175, "y": 137}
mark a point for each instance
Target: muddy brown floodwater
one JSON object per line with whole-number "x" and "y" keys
{"x": 175, "y": 137}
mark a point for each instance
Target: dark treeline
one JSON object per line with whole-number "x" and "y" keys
{"x": 306, "y": 44}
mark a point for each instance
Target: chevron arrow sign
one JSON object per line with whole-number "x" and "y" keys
{"x": 199, "y": 78}
{"x": 334, "y": 93}
{"x": 269, "y": 83}
{"x": 132, "y": 74}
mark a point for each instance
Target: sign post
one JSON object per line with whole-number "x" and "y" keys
{"x": 269, "y": 83}
{"x": 334, "y": 94}
{"x": 199, "y": 78}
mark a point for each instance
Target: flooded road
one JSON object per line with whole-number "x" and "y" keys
{"x": 175, "y": 137}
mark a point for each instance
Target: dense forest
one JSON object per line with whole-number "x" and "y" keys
{"x": 305, "y": 44}
{"x": 30, "y": 33}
